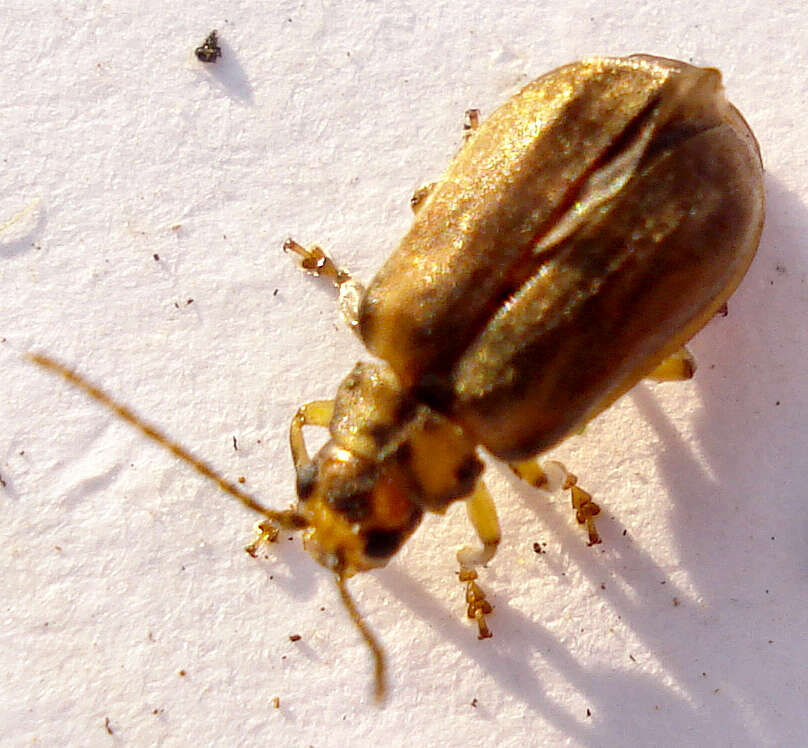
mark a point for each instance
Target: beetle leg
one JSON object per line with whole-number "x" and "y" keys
{"x": 553, "y": 476}
{"x": 315, "y": 261}
{"x": 483, "y": 516}
{"x": 420, "y": 195}
{"x": 315, "y": 413}
{"x": 678, "y": 366}
{"x": 478, "y": 606}
{"x": 471, "y": 121}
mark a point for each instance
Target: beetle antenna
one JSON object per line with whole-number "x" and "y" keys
{"x": 375, "y": 648}
{"x": 289, "y": 519}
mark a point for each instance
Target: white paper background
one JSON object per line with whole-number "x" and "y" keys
{"x": 121, "y": 567}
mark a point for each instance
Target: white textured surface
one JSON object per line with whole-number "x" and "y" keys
{"x": 121, "y": 567}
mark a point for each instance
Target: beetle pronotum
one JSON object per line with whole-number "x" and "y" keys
{"x": 579, "y": 238}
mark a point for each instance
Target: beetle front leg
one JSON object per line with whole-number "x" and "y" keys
{"x": 315, "y": 413}
{"x": 483, "y": 516}
{"x": 553, "y": 476}
{"x": 315, "y": 261}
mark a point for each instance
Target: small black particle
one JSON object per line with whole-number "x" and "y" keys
{"x": 275, "y": 292}
{"x": 2, "y": 482}
{"x": 209, "y": 50}
{"x": 190, "y": 301}
{"x": 235, "y": 443}
{"x": 537, "y": 548}
{"x": 771, "y": 641}
{"x": 781, "y": 269}
{"x": 631, "y": 657}
{"x": 474, "y": 702}
{"x": 295, "y": 637}
{"x": 777, "y": 402}
{"x": 602, "y": 585}
{"x": 588, "y": 712}
{"x": 624, "y": 533}
{"x": 107, "y": 727}
{"x": 176, "y": 305}
{"x": 156, "y": 257}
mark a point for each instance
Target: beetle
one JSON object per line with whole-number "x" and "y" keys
{"x": 579, "y": 238}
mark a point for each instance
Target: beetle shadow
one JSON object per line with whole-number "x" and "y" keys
{"x": 722, "y": 678}
{"x": 510, "y": 659}
{"x": 746, "y": 562}
{"x": 714, "y": 484}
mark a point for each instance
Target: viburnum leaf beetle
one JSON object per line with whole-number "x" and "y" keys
{"x": 579, "y": 238}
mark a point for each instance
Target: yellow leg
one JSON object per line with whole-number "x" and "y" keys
{"x": 316, "y": 262}
{"x": 471, "y": 122}
{"x": 553, "y": 476}
{"x": 677, "y": 367}
{"x": 483, "y": 517}
{"x": 477, "y": 605}
{"x": 419, "y": 196}
{"x": 316, "y": 413}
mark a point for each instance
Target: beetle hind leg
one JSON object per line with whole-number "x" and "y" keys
{"x": 677, "y": 367}
{"x": 553, "y": 476}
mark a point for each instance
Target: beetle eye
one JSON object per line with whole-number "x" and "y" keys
{"x": 306, "y": 479}
{"x": 382, "y": 543}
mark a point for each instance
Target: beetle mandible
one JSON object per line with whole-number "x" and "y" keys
{"x": 579, "y": 238}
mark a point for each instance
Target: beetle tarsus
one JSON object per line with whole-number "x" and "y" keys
{"x": 267, "y": 532}
{"x": 585, "y": 512}
{"x": 315, "y": 261}
{"x": 477, "y": 605}
{"x": 552, "y": 476}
